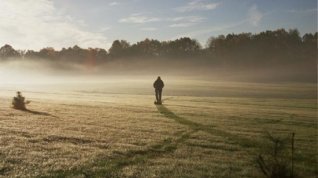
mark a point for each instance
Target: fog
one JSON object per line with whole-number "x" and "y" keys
{"x": 136, "y": 77}
{"x": 36, "y": 71}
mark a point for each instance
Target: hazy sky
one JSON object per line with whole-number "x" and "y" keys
{"x": 34, "y": 24}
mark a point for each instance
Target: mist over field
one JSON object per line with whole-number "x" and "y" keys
{"x": 241, "y": 57}
{"x": 32, "y": 71}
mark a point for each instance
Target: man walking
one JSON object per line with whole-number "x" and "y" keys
{"x": 158, "y": 85}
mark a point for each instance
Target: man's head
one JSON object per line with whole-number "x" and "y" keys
{"x": 18, "y": 93}
{"x": 158, "y": 78}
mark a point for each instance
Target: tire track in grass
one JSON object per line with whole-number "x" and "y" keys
{"x": 112, "y": 166}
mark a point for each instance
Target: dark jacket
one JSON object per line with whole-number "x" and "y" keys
{"x": 158, "y": 85}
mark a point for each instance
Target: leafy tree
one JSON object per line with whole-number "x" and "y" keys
{"x": 7, "y": 51}
{"x": 47, "y": 53}
{"x": 119, "y": 48}
{"x": 182, "y": 47}
{"x": 147, "y": 47}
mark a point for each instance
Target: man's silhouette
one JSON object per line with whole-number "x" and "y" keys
{"x": 158, "y": 85}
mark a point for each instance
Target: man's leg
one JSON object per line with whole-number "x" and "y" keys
{"x": 160, "y": 92}
{"x": 157, "y": 95}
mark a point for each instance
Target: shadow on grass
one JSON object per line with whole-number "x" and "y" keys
{"x": 242, "y": 141}
{"x": 36, "y": 112}
{"x": 171, "y": 115}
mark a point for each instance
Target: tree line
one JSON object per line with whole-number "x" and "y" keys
{"x": 264, "y": 48}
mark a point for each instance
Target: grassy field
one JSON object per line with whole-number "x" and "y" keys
{"x": 113, "y": 129}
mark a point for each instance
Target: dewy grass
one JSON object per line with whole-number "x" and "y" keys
{"x": 87, "y": 134}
